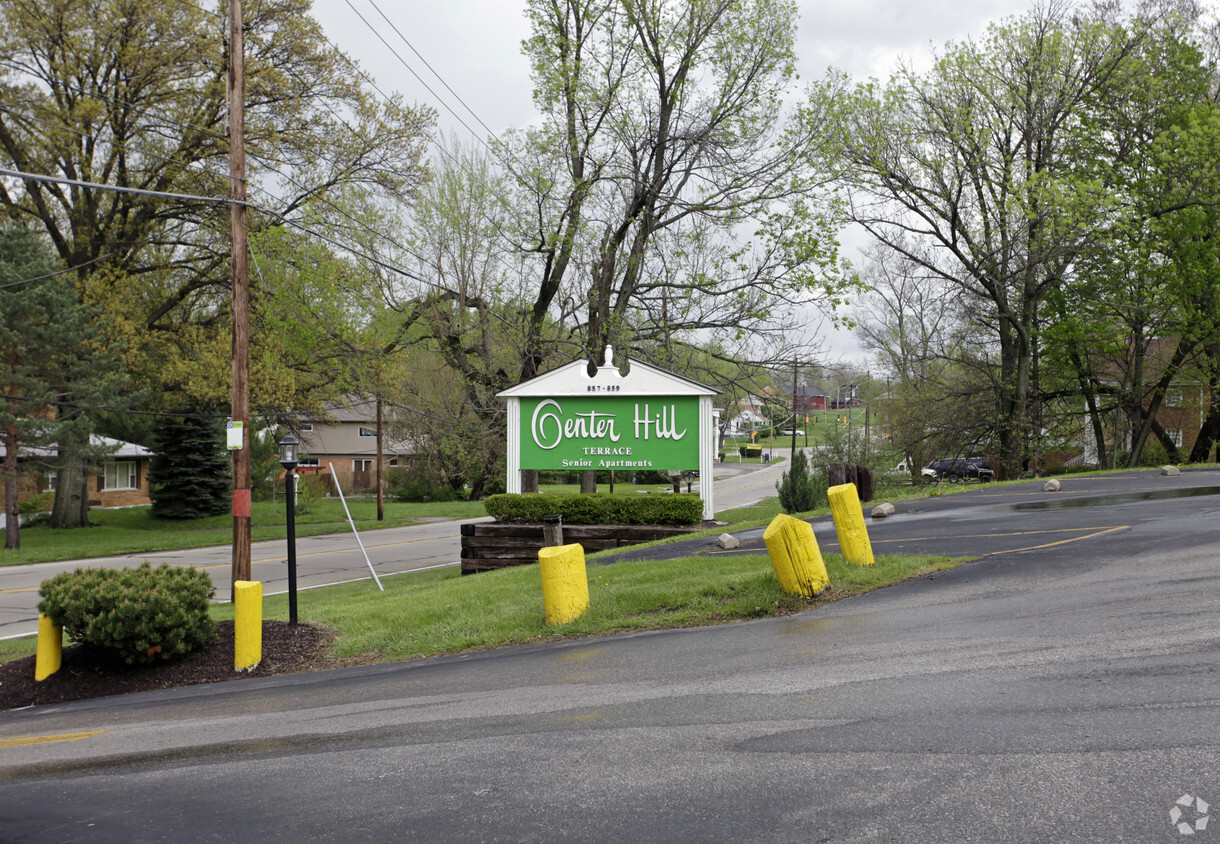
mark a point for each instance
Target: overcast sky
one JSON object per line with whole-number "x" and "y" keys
{"x": 474, "y": 46}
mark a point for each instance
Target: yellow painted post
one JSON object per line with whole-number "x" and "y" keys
{"x": 849, "y": 524}
{"x": 795, "y": 556}
{"x": 50, "y": 648}
{"x": 565, "y": 587}
{"x": 247, "y": 624}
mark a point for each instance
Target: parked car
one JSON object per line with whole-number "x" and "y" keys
{"x": 955, "y": 469}
{"x": 788, "y": 432}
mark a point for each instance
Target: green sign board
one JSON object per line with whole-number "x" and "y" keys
{"x": 610, "y": 432}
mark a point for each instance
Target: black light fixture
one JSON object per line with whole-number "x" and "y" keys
{"x": 289, "y": 459}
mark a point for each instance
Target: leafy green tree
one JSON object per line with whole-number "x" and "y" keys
{"x": 132, "y": 95}
{"x": 664, "y": 131}
{"x": 54, "y": 364}
{"x": 981, "y": 158}
{"x": 189, "y": 477}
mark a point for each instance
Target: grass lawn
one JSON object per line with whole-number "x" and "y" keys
{"x": 440, "y": 612}
{"x": 133, "y": 530}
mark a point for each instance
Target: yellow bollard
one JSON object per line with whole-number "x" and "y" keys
{"x": 565, "y": 587}
{"x": 849, "y": 524}
{"x": 50, "y": 648}
{"x": 247, "y": 625}
{"x": 795, "y": 556}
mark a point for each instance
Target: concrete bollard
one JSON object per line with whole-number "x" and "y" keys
{"x": 565, "y": 586}
{"x": 50, "y": 648}
{"x": 795, "y": 556}
{"x": 849, "y": 524}
{"x": 247, "y": 625}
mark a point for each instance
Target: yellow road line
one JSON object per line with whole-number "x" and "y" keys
{"x": 27, "y": 741}
{"x": 1097, "y": 531}
{"x": 1014, "y": 533}
{"x": 1060, "y": 542}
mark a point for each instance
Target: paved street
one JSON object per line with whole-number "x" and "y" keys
{"x": 1056, "y": 691}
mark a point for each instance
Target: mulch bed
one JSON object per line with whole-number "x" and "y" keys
{"x": 286, "y": 650}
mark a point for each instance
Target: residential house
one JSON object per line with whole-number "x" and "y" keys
{"x": 120, "y": 481}
{"x": 341, "y": 444}
{"x": 810, "y": 397}
{"x": 746, "y": 416}
{"x": 1180, "y": 414}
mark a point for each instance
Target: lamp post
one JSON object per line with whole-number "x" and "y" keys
{"x": 289, "y": 459}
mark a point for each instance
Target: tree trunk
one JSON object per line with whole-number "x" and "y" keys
{"x": 71, "y": 497}
{"x": 529, "y": 480}
{"x": 588, "y": 482}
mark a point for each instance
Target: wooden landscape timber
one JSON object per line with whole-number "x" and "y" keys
{"x": 493, "y": 545}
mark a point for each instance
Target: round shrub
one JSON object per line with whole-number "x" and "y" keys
{"x": 139, "y": 615}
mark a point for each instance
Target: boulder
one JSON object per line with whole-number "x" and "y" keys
{"x": 1051, "y": 486}
{"x": 727, "y": 541}
{"x": 1171, "y": 471}
{"x": 883, "y": 510}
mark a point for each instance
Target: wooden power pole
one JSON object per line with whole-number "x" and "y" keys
{"x": 794, "y": 369}
{"x": 240, "y": 398}
{"x": 377, "y": 464}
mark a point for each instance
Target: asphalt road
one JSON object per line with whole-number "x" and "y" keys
{"x": 328, "y": 559}
{"x": 1058, "y": 691}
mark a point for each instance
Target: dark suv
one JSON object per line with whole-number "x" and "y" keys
{"x": 955, "y": 469}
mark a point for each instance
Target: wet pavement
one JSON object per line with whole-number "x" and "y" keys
{"x": 990, "y": 519}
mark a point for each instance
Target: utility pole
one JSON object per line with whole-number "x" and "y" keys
{"x": 240, "y": 398}
{"x": 794, "y": 406}
{"x": 377, "y": 475}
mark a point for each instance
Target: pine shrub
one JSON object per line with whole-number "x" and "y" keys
{"x": 139, "y": 615}
{"x": 799, "y": 491}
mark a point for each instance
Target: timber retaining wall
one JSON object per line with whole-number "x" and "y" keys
{"x": 496, "y": 545}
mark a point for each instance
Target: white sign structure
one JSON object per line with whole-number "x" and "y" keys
{"x": 646, "y": 419}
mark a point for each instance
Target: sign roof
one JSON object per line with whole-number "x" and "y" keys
{"x": 573, "y": 379}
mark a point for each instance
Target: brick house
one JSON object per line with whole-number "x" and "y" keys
{"x": 341, "y": 443}
{"x": 120, "y": 481}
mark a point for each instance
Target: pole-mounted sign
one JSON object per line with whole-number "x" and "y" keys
{"x": 646, "y": 419}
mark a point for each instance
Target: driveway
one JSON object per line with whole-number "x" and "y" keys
{"x": 1065, "y": 692}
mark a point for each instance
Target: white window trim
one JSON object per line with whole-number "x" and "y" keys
{"x": 111, "y": 470}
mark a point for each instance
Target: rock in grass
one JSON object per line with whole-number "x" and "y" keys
{"x": 728, "y": 541}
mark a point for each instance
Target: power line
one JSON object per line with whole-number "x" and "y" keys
{"x": 489, "y": 131}
{"x": 57, "y": 272}
{"x": 36, "y": 177}
{"x": 411, "y": 70}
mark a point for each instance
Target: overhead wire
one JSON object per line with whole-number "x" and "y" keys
{"x": 398, "y": 32}
{"x": 411, "y": 70}
{"x": 54, "y": 274}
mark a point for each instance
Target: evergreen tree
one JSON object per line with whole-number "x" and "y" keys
{"x": 797, "y": 487}
{"x": 190, "y": 476}
{"x": 54, "y": 367}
